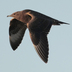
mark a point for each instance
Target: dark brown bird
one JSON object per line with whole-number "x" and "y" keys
{"x": 39, "y": 26}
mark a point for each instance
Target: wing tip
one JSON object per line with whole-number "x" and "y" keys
{"x": 46, "y": 61}
{"x": 13, "y": 49}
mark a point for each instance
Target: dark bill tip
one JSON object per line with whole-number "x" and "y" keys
{"x": 8, "y": 15}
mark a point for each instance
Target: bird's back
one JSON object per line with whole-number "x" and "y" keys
{"x": 38, "y": 15}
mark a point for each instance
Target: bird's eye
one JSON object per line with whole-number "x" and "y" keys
{"x": 14, "y": 13}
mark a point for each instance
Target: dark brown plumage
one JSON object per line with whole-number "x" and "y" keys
{"x": 39, "y": 26}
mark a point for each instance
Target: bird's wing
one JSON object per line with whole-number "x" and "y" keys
{"x": 16, "y": 33}
{"x": 41, "y": 45}
{"x": 38, "y": 36}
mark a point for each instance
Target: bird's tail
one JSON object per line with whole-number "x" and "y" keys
{"x": 56, "y": 22}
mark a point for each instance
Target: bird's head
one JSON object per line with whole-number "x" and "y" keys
{"x": 21, "y": 16}
{"x": 16, "y": 15}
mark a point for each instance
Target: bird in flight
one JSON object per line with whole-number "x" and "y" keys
{"x": 38, "y": 25}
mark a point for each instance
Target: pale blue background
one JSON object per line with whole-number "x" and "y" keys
{"x": 25, "y": 58}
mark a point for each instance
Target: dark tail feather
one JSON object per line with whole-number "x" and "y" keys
{"x": 62, "y": 22}
{"x": 59, "y": 22}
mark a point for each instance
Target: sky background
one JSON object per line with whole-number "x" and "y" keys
{"x": 25, "y": 58}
